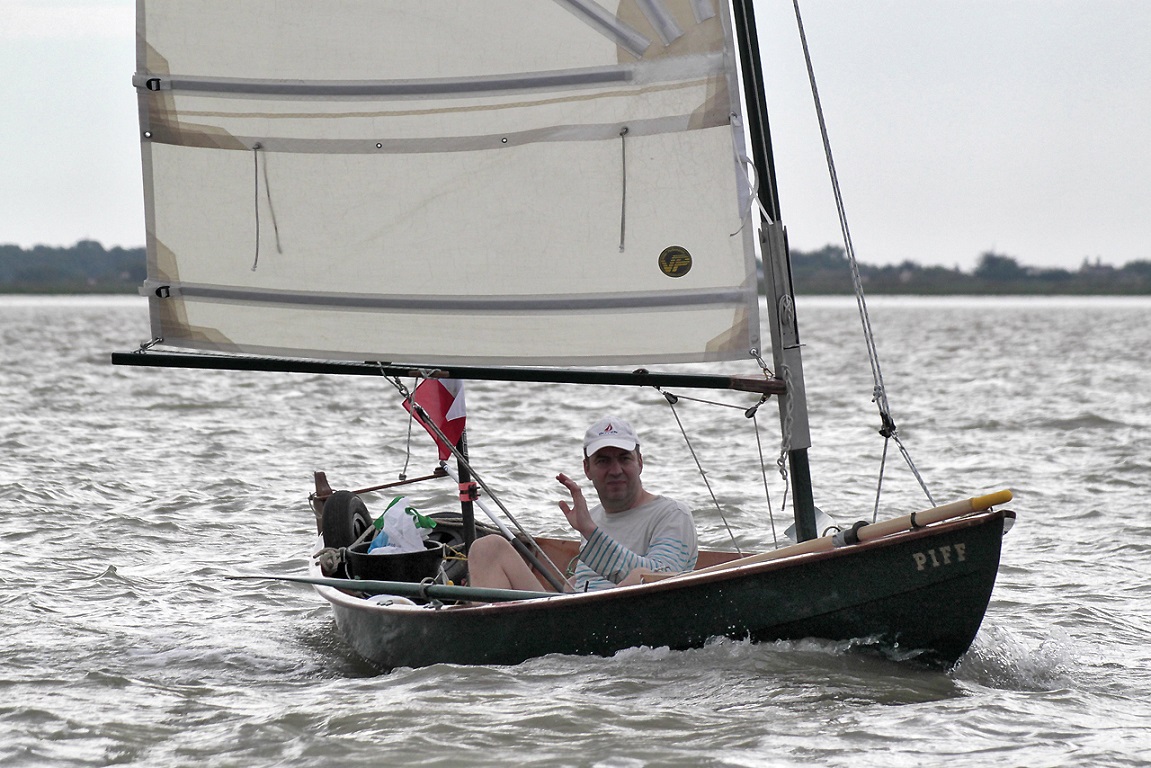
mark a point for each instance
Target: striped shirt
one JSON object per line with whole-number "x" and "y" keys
{"x": 659, "y": 535}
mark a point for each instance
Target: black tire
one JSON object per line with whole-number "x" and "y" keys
{"x": 345, "y": 519}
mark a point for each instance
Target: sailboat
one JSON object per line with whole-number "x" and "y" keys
{"x": 570, "y": 191}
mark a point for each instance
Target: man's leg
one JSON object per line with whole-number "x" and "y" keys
{"x": 494, "y": 563}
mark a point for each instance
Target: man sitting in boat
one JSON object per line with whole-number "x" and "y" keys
{"x": 630, "y": 533}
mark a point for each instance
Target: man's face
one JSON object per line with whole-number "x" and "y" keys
{"x": 615, "y": 474}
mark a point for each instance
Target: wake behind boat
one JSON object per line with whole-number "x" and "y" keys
{"x": 571, "y": 191}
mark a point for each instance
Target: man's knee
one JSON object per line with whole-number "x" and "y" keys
{"x": 489, "y": 548}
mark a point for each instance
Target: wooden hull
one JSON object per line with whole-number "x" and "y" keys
{"x": 920, "y": 594}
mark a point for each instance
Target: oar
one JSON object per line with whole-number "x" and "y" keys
{"x": 410, "y": 589}
{"x": 864, "y": 533}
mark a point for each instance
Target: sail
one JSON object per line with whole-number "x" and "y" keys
{"x": 447, "y": 181}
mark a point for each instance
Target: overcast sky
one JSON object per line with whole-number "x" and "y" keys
{"x": 958, "y": 126}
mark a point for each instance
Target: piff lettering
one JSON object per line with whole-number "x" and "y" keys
{"x": 940, "y": 556}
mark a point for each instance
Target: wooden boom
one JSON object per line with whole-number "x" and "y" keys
{"x": 638, "y": 378}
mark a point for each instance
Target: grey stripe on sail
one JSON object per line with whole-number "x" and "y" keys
{"x": 189, "y": 136}
{"x": 458, "y": 86}
{"x": 644, "y": 73}
{"x": 620, "y": 301}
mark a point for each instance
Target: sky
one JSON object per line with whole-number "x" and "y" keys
{"x": 957, "y": 127}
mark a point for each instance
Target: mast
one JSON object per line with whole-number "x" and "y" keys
{"x": 785, "y": 344}
{"x": 467, "y": 492}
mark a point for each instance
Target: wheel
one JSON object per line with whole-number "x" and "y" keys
{"x": 345, "y": 519}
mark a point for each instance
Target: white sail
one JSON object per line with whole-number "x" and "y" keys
{"x": 506, "y": 181}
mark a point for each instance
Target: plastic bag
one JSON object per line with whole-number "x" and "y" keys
{"x": 401, "y": 529}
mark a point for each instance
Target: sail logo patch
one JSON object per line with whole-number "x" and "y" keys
{"x": 675, "y": 261}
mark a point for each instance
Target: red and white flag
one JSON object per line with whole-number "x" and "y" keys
{"x": 443, "y": 400}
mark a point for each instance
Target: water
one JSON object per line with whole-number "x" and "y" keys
{"x": 131, "y": 492}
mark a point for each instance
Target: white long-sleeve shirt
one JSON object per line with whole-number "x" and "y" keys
{"x": 659, "y": 535}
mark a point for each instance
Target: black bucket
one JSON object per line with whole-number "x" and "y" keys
{"x": 401, "y": 566}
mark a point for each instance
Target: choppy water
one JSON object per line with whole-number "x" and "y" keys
{"x": 130, "y": 492}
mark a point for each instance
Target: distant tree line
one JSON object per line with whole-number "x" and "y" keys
{"x": 827, "y": 271}
{"x": 87, "y": 267}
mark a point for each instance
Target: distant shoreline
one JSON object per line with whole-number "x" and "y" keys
{"x": 828, "y": 272}
{"x": 87, "y": 268}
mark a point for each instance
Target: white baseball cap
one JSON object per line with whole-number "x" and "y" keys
{"x": 610, "y": 431}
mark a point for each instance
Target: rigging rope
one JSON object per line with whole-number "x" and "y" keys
{"x": 671, "y": 401}
{"x": 786, "y": 422}
{"x": 750, "y": 413}
{"x": 763, "y": 474}
{"x": 879, "y": 392}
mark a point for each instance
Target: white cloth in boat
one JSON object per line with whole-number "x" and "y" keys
{"x": 659, "y": 535}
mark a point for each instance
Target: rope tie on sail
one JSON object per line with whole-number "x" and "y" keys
{"x": 623, "y": 186}
{"x": 888, "y": 428}
{"x": 256, "y": 149}
{"x": 753, "y": 201}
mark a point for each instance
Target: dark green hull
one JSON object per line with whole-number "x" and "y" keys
{"x": 921, "y": 593}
